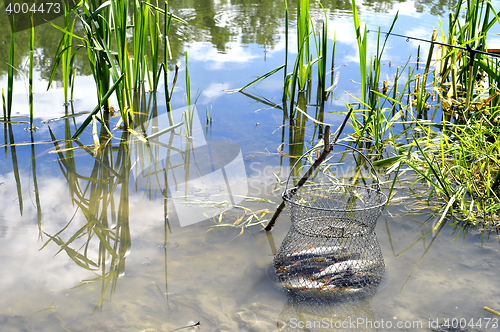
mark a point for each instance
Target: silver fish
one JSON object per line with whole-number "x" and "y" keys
{"x": 318, "y": 251}
{"x": 308, "y": 284}
{"x": 355, "y": 265}
{"x": 303, "y": 283}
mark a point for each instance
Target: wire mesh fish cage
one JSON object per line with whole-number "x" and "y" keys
{"x": 331, "y": 248}
{"x": 311, "y": 266}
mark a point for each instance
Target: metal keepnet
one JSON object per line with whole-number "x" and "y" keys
{"x": 334, "y": 209}
{"x": 331, "y": 248}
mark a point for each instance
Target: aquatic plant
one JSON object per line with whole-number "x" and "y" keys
{"x": 299, "y": 79}
{"x": 440, "y": 151}
{"x": 64, "y": 55}
{"x": 116, "y": 69}
{"x": 30, "y": 78}
{"x": 7, "y": 103}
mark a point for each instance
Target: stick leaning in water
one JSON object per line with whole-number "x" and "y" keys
{"x": 328, "y": 147}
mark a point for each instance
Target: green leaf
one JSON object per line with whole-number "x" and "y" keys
{"x": 387, "y": 161}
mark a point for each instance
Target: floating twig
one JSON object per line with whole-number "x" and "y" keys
{"x": 491, "y": 310}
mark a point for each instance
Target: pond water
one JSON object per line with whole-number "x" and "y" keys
{"x": 88, "y": 245}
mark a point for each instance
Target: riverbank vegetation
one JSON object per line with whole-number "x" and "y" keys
{"x": 439, "y": 123}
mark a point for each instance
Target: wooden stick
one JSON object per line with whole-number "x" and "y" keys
{"x": 326, "y": 151}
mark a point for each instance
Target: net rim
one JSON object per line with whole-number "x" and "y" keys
{"x": 374, "y": 206}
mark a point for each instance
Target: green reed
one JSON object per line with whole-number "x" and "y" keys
{"x": 118, "y": 65}
{"x": 64, "y": 55}
{"x": 154, "y": 32}
{"x": 299, "y": 79}
{"x": 7, "y": 104}
{"x": 119, "y": 14}
{"x": 373, "y": 122}
{"x": 361, "y": 37}
{"x": 459, "y": 160}
{"x": 462, "y": 172}
{"x": 321, "y": 49}
{"x": 30, "y": 77}
{"x": 94, "y": 16}
{"x": 285, "y": 71}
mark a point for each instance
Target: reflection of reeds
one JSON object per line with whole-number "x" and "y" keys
{"x": 435, "y": 232}
{"x": 35, "y": 187}
{"x": 106, "y": 221}
{"x": 15, "y": 167}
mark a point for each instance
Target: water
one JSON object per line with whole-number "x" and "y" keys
{"x": 162, "y": 276}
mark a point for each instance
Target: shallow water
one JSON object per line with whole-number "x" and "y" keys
{"x": 161, "y": 276}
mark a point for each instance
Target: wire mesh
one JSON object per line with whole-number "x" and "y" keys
{"x": 334, "y": 210}
{"x": 331, "y": 250}
{"x": 310, "y": 266}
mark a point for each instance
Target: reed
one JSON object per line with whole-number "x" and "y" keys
{"x": 423, "y": 95}
{"x": 303, "y": 33}
{"x": 154, "y": 32}
{"x": 7, "y": 105}
{"x": 35, "y": 186}
{"x": 361, "y": 37}
{"x": 30, "y": 78}
{"x": 443, "y": 158}
{"x": 118, "y": 67}
{"x": 64, "y": 56}
{"x": 299, "y": 79}
{"x": 285, "y": 66}
{"x": 321, "y": 49}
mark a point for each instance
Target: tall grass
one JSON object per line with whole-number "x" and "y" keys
{"x": 64, "y": 55}
{"x": 118, "y": 66}
{"x": 30, "y": 78}
{"x": 362, "y": 39}
{"x": 457, "y": 156}
{"x": 303, "y": 57}
{"x": 7, "y": 103}
{"x": 299, "y": 79}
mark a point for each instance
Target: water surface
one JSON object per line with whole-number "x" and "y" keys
{"x": 162, "y": 276}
